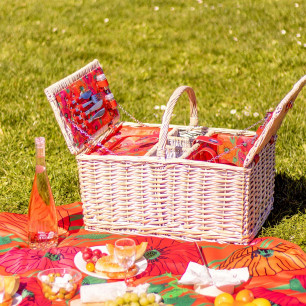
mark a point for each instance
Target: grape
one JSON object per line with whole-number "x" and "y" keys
{"x": 151, "y": 298}
{"x": 143, "y": 301}
{"x": 134, "y": 297}
{"x": 119, "y": 300}
{"x": 127, "y": 297}
{"x": 143, "y": 295}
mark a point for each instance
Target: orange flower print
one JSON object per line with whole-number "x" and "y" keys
{"x": 226, "y": 147}
{"x": 266, "y": 261}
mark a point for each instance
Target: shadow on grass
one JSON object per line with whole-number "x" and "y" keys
{"x": 289, "y": 198}
{"x": 287, "y": 220}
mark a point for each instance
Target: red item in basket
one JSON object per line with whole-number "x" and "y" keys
{"x": 132, "y": 141}
{"x": 220, "y": 148}
{"x": 234, "y": 149}
{"x": 207, "y": 150}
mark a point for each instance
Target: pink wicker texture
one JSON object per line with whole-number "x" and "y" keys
{"x": 175, "y": 197}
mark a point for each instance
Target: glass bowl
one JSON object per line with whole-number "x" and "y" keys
{"x": 59, "y": 284}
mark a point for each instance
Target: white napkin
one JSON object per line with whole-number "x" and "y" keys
{"x": 212, "y": 282}
{"x": 196, "y": 274}
{"x": 109, "y": 291}
{"x": 102, "y": 292}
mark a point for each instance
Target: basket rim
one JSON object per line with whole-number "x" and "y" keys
{"x": 161, "y": 161}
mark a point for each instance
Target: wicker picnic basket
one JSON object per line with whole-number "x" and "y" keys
{"x": 163, "y": 194}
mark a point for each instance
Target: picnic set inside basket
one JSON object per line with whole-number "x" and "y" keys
{"x": 164, "y": 180}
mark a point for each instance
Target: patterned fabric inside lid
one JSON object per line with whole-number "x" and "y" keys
{"x": 88, "y": 105}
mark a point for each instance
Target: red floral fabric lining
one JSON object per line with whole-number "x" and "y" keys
{"x": 82, "y": 92}
{"x": 130, "y": 141}
{"x": 277, "y": 267}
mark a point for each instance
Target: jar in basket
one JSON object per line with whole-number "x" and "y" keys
{"x": 42, "y": 219}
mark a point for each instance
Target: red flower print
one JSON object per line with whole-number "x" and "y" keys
{"x": 31, "y": 292}
{"x": 244, "y": 143}
{"x": 276, "y": 297}
{"x": 241, "y": 158}
{"x": 168, "y": 256}
{"x": 20, "y": 261}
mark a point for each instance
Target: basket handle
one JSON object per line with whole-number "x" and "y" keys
{"x": 276, "y": 121}
{"x": 161, "y": 147}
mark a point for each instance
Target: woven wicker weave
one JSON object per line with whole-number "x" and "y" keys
{"x": 175, "y": 197}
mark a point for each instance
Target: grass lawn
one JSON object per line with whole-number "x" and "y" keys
{"x": 237, "y": 55}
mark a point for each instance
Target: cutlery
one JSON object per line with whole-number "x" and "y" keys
{"x": 85, "y": 95}
{"x": 98, "y": 115}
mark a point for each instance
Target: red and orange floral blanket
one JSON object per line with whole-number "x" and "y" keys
{"x": 277, "y": 267}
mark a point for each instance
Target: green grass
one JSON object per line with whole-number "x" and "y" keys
{"x": 233, "y": 54}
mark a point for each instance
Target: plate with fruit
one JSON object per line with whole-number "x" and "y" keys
{"x": 99, "y": 261}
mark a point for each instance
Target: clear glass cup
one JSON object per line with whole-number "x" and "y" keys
{"x": 125, "y": 254}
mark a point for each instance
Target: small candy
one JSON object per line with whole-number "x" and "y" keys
{"x": 67, "y": 277}
{"x": 69, "y": 287}
{"x": 55, "y": 289}
{"x": 44, "y": 278}
{"x": 60, "y": 281}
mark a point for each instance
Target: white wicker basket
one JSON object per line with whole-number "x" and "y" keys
{"x": 175, "y": 197}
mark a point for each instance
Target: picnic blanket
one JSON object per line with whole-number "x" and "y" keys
{"x": 277, "y": 267}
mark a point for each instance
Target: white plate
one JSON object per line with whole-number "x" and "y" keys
{"x": 80, "y": 263}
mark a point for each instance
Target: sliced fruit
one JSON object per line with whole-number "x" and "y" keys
{"x": 140, "y": 249}
{"x": 110, "y": 248}
{"x": 11, "y": 284}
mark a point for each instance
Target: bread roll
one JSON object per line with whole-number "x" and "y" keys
{"x": 107, "y": 267}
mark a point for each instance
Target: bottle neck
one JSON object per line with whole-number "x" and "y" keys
{"x": 40, "y": 159}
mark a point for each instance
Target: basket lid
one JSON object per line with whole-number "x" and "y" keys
{"x": 84, "y": 106}
{"x": 275, "y": 121}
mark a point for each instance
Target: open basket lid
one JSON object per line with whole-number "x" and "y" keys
{"x": 275, "y": 122}
{"x": 84, "y": 106}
